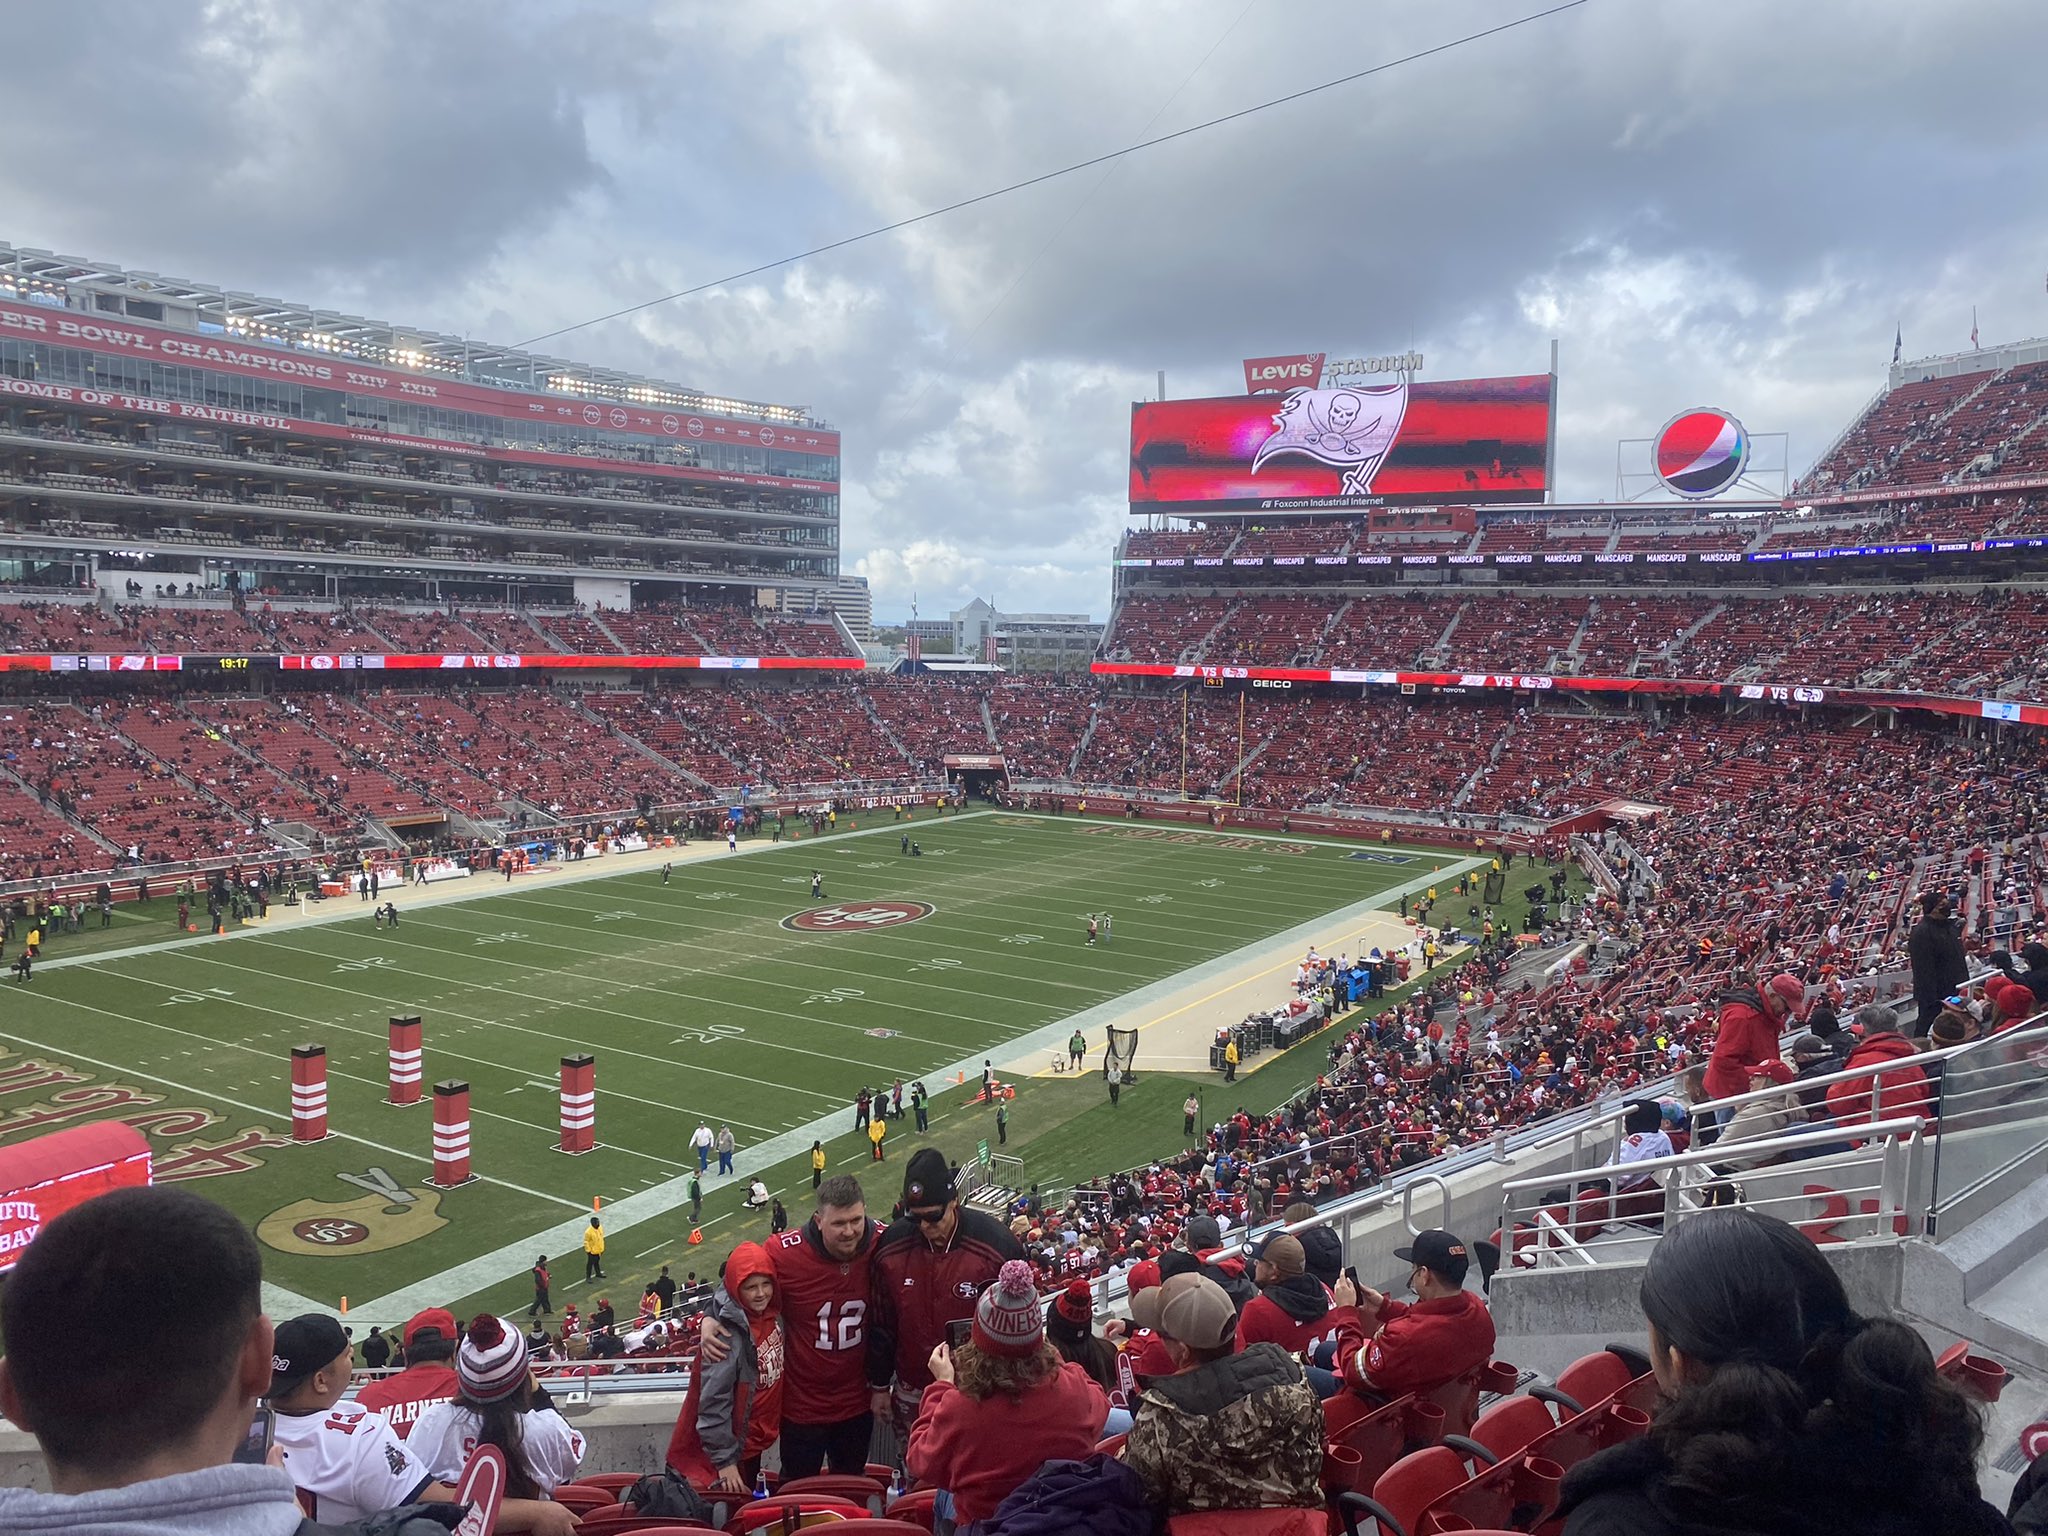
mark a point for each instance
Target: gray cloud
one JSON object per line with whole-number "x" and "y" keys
{"x": 1730, "y": 203}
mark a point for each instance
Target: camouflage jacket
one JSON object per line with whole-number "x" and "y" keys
{"x": 1242, "y": 1432}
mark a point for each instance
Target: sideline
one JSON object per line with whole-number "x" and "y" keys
{"x": 478, "y": 887}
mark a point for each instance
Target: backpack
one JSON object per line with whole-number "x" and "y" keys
{"x": 1097, "y": 1497}
{"x": 663, "y": 1493}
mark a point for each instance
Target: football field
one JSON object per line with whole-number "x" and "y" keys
{"x": 727, "y": 996}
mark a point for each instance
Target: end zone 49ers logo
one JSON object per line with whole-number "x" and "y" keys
{"x": 858, "y": 916}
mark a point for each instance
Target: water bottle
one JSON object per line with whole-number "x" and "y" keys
{"x": 760, "y": 1485}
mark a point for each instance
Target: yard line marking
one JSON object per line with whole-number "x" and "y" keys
{"x": 221, "y": 1098}
{"x": 457, "y": 1055}
{"x": 541, "y": 1127}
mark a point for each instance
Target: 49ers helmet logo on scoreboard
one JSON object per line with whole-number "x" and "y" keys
{"x": 1701, "y": 452}
{"x": 858, "y": 916}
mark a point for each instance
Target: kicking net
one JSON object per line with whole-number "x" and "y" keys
{"x": 1122, "y": 1052}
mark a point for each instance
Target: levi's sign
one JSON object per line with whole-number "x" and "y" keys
{"x": 1274, "y": 373}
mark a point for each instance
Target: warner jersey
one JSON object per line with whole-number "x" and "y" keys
{"x": 348, "y": 1463}
{"x": 824, "y": 1325}
{"x": 404, "y": 1397}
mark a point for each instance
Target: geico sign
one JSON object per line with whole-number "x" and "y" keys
{"x": 1271, "y": 682}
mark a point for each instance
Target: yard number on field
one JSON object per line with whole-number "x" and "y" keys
{"x": 707, "y": 1034}
{"x": 836, "y": 995}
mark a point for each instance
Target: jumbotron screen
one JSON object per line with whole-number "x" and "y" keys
{"x": 1347, "y": 445}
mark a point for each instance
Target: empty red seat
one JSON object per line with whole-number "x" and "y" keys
{"x": 855, "y": 1490}
{"x": 580, "y": 1499}
{"x": 767, "y": 1514}
{"x": 1250, "y": 1522}
{"x": 915, "y": 1508}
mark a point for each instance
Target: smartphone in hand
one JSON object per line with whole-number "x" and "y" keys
{"x": 256, "y": 1441}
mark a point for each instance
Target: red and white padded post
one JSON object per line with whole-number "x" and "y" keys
{"x": 406, "y": 1069}
{"x": 309, "y": 1093}
{"x": 579, "y": 1103}
{"x": 451, "y": 1133}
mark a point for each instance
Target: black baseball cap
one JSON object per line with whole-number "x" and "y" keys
{"x": 928, "y": 1181}
{"x": 1438, "y": 1252}
{"x": 302, "y": 1346}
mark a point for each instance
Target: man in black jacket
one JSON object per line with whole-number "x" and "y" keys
{"x": 1935, "y": 952}
{"x": 929, "y": 1269}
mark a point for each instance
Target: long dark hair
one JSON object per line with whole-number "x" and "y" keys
{"x": 503, "y": 1424}
{"x": 1803, "y": 1403}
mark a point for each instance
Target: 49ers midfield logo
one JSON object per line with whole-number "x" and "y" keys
{"x": 858, "y": 916}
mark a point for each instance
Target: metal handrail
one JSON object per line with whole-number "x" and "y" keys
{"x": 1900, "y": 1147}
{"x": 2035, "y": 1029}
{"x": 1829, "y": 1135}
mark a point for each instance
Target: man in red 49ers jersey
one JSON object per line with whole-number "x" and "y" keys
{"x": 822, "y": 1273}
{"x": 930, "y": 1269}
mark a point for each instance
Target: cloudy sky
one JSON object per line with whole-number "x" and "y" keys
{"x": 1724, "y": 202}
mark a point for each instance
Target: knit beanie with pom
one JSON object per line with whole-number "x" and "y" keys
{"x": 1008, "y": 1320}
{"x": 491, "y": 1362}
{"x": 1072, "y": 1317}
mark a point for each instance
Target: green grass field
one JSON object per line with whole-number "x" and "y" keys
{"x": 700, "y": 1002}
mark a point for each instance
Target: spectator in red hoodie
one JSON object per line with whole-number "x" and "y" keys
{"x": 1413, "y": 1348}
{"x": 733, "y": 1410}
{"x": 1003, "y": 1406}
{"x": 1899, "y": 1091}
{"x": 1749, "y": 1024}
{"x": 1292, "y": 1309}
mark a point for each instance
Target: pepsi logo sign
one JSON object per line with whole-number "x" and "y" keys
{"x": 1701, "y": 452}
{"x": 858, "y": 916}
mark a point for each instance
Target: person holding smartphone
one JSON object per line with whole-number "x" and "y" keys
{"x": 1000, "y": 1404}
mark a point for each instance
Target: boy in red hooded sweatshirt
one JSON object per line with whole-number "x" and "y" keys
{"x": 734, "y": 1408}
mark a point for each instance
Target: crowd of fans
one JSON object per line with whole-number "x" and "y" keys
{"x": 1966, "y": 641}
{"x": 1228, "y": 1389}
{"x": 189, "y": 776}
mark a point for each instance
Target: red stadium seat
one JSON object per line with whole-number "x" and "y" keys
{"x": 1406, "y": 1489}
{"x": 855, "y": 1490}
{"x": 875, "y": 1527}
{"x": 613, "y": 1483}
{"x": 579, "y": 1499}
{"x": 766, "y": 1514}
{"x": 617, "y": 1520}
{"x": 1250, "y": 1522}
{"x": 1592, "y": 1379}
{"x": 1506, "y": 1429}
{"x": 915, "y": 1509}
{"x": 1460, "y": 1399}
